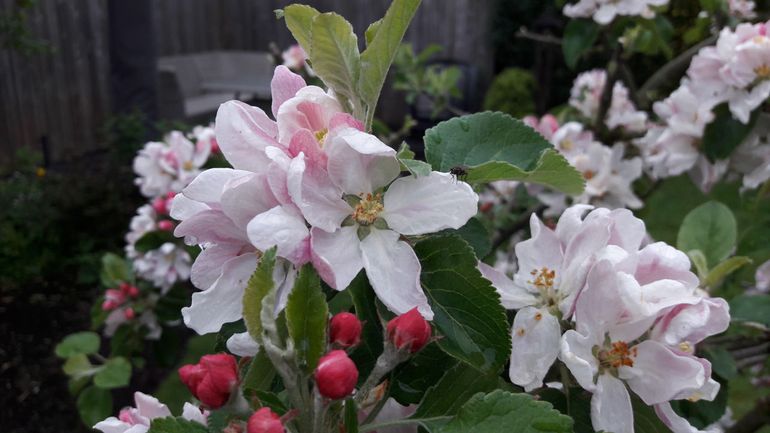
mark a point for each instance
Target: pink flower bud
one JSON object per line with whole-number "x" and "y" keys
{"x": 409, "y": 330}
{"x": 214, "y": 145}
{"x": 109, "y": 305}
{"x": 160, "y": 206}
{"x": 165, "y": 225}
{"x": 115, "y": 296}
{"x": 345, "y": 330}
{"x": 212, "y": 379}
{"x": 264, "y": 421}
{"x": 132, "y": 291}
{"x": 129, "y": 313}
{"x": 336, "y": 375}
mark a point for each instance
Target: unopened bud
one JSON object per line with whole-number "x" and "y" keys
{"x": 129, "y": 313}
{"x": 345, "y": 330}
{"x": 409, "y": 330}
{"x": 165, "y": 225}
{"x": 212, "y": 379}
{"x": 109, "y": 305}
{"x": 265, "y": 421}
{"x": 160, "y": 206}
{"x": 336, "y": 375}
{"x": 132, "y": 291}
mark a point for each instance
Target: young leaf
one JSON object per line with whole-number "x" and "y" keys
{"x": 579, "y": 37}
{"x": 455, "y": 388}
{"x": 412, "y": 379}
{"x": 710, "y": 228}
{"x": 371, "y": 31}
{"x": 724, "y": 134}
{"x": 385, "y": 39}
{"x": 260, "y": 283}
{"x": 503, "y": 412}
{"x": 84, "y": 343}
{"x": 415, "y": 167}
{"x": 176, "y": 425}
{"x": 468, "y": 313}
{"x": 94, "y": 405}
{"x": 334, "y": 55}
{"x": 495, "y": 146}
{"x": 725, "y": 268}
{"x": 115, "y": 373}
{"x": 260, "y": 374}
{"x": 299, "y": 19}
{"x": 78, "y": 366}
{"x": 114, "y": 270}
{"x": 306, "y": 316}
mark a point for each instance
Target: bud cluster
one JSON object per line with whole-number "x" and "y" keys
{"x": 120, "y": 297}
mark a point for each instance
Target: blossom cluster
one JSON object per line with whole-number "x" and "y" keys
{"x": 604, "y": 11}
{"x": 735, "y": 72}
{"x": 312, "y": 183}
{"x": 618, "y": 314}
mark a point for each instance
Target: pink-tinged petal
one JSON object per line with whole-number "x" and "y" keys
{"x": 512, "y": 296}
{"x": 627, "y": 230}
{"x": 208, "y": 265}
{"x": 246, "y": 197}
{"x": 542, "y": 250}
{"x": 578, "y": 257}
{"x": 598, "y": 306}
{"x": 284, "y": 86}
{"x": 576, "y": 353}
{"x": 208, "y": 186}
{"x": 284, "y": 228}
{"x": 183, "y": 208}
{"x": 660, "y": 261}
{"x": 692, "y": 323}
{"x": 336, "y": 256}
{"x": 650, "y": 299}
{"x": 658, "y": 374}
{"x": 676, "y": 423}
{"x": 210, "y": 226}
{"x": 399, "y": 291}
{"x": 242, "y": 344}
{"x": 319, "y": 200}
{"x": 360, "y": 162}
{"x": 570, "y": 222}
{"x": 191, "y": 412}
{"x": 762, "y": 277}
{"x": 112, "y": 425}
{"x": 342, "y": 120}
{"x": 223, "y": 301}
{"x": 303, "y": 141}
{"x": 277, "y": 173}
{"x": 535, "y": 345}
{"x": 611, "y": 406}
{"x": 138, "y": 428}
{"x": 243, "y": 132}
{"x": 428, "y": 204}
{"x": 311, "y": 108}
{"x": 150, "y": 407}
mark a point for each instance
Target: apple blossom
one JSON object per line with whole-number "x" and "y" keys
{"x": 604, "y": 11}
{"x": 264, "y": 420}
{"x": 586, "y": 95}
{"x": 169, "y": 165}
{"x": 742, "y": 9}
{"x": 137, "y": 419}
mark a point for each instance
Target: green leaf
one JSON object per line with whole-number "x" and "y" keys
{"x": 371, "y": 31}
{"x": 115, "y": 373}
{"x": 711, "y": 228}
{"x": 475, "y": 233}
{"x": 364, "y": 301}
{"x": 722, "y": 362}
{"x": 405, "y": 152}
{"x": 722, "y": 270}
{"x": 78, "y": 343}
{"x": 467, "y": 310}
{"x": 94, "y": 405}
{"x": 114, "y": 270}
{"x": 334, "y": 56}
{"x": 176, "y": 425}
{"x": 645, "y": 418}
{"x": 379, "y": 54}
{"x": 415, "y": 167}
{"x": 503, "y": 412}
{"x": 579, "y": 37}
{"x": 260, "y": 374}
{"x": 154, "y": 240}
{"x": 700, "y": 262}
{"x": 306, "y": 316}
{"x": 268, "y": 399}
{"x": 78, "y": 366}
{"x": 456, "y": 387}
{"x": 725, "y": 133}
{"x": 299, "y": 19}
{"x": 412, "y": 379}
{"x": 495, "y": 146}
{"x": 260, "y": 283}
{"x": 351, "y": 416}
{"x": 751, "y": 308}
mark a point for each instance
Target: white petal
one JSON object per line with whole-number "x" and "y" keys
{"x": 360, "y": 162}
{"x": 246, "y": 197}
{"x": 112, "y": 425}
{"x": 191, "y": 412}
{"x": 427, "y": 204}
{"x": 284, "y": 86}
{"x": 336, "y": 256}
{"x": 284, "y": 228}
{"x": 576, "y": 353}
{"x": 208, "y": 265}
{"x": 150, "y": 407}
{"x": 535, "y": 345}
{"x": 400, "y": 291}
{"x": 222, "y": 302}
{"x": 243, "y": 132}
{"x": 512, "y": 296}
{"x": 183, "y": 208}
{"x": 208, "y": 186}
{"x": 242, "y": 345}
{"x": 315, "y": 195}
{"x": 611, "y": 406}
{"x": 676, "y": 423}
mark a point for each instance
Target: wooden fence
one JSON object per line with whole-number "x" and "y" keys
{"x": 65, "y": 95}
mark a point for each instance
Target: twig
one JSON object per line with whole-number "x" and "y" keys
{"x": 546, "y": 39}
{"x": 609, "y": 86}
{"x": 754, "y": 420}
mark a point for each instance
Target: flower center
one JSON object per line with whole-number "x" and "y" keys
{"x": 188, "y": 165}
{"x": 367, "y": 210}
{"x": 762, "y": 71}
{"x": 567, "y": 144}
{"x": 320, "y": 136}
{"x": 619, "y": 354}
{"x": 588, "y": 174}
{"x": 544, "y": 280}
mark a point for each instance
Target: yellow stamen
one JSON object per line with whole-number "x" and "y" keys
{"x": 763, "y": 72}
{"x": 368, "y": 209}
{"x": 188, "y": 165}
{"x": 619, "y": 355}
{"x": 320, "y": 136}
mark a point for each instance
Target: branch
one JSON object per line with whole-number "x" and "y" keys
{"x": 671, "y": 70}
{"x": 754, "y": 420}
{"x": 546, "y": 39}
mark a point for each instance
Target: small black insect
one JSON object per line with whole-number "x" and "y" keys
{"x": 459, "y": 172}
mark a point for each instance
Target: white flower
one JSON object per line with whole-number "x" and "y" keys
{"x": 137, "y": 419}
{"x": 170, "y": 165}
{"x": 604, "y": 11}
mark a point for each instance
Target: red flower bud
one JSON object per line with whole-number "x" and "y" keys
{"x": 132, "y": 291}
{"x": 165, "y": 225}
{"x": 214, "y": 145}
{"x": 265, "y": 421}
{"x": 212, "y": 379}
{"x": 345, "y": 330}
{"x": 160, "y": 205}
{"x": 109, "y": 305}
{"x": 336, "y": 375}
{"x": 409, "y": 330}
